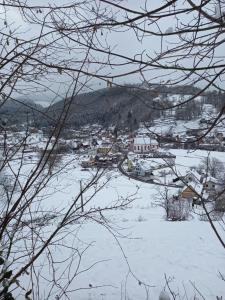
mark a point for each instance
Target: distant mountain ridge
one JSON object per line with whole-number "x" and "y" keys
{"x": 124, "y": 106}
{"x": 17, "y": 111}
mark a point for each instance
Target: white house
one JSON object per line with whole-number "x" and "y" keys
{"x": 143, "y": 171}
{"x": 139, "y": 170}
{"x": 144, "y": 145}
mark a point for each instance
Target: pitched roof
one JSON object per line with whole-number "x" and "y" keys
{"x": 145, "y": 141}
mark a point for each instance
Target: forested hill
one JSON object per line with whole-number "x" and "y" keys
{"x": 19, "y": 111}
{"x": 122, "y": 106}
{"x": 117, "y": 105}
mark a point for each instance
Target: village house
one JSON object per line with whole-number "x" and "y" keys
{"x": 144, "y": 145}
{"x": 105, "y": 147}
{"x": 191, "y": 192}
{"x": 211, "y": 183}
{"x": 142, "y": 171}
{"x": 196, "y": 186}
{"x": 139, "y": 170}
{"x": 188, "y": 177}
{"x": 192, "y": 185}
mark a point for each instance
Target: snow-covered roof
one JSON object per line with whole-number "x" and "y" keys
{"x": 212, "y": 179}
{"x": 145, "y": 141}
{"x": 194, "y": 187}
{"x": 153, "y": 142}
{"x": 142, "y": 140}
{"x": 193, "y": 174}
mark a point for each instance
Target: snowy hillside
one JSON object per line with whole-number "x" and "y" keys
{"x": 135, "y": 255}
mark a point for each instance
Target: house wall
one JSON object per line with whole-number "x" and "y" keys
{"x": 139, "y": 148}
{"x": 139, "y": 171}
{"x": 188, "y": 193}
{"x": 210, "y": 186}
{"x": 104, "y": 150}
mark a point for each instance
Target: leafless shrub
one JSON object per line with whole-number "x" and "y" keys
{"x": 69, "y": 46}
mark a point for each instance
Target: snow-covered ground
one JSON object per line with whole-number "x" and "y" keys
{"x": 170, "y": 126}
{"x": 132, "y": 258}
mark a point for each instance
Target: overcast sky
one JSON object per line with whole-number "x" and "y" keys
{"x": 124, "y": 43}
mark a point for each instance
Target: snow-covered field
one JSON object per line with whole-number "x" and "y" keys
{"x": 132, "y": 258}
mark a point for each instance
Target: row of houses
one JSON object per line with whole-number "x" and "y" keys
{"x": 139, "y": 145}
{"x": 200, "y": 186}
